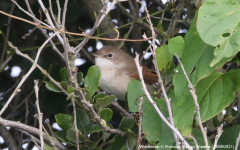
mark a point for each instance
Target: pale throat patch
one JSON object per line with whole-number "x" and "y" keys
{"x": 104, "y": 63}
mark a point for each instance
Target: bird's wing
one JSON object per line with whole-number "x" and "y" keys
{"x": 148, "y": 75}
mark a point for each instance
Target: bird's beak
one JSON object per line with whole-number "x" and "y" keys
{"x": 93, "y": 54}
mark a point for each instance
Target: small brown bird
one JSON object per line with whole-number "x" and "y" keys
{"x": 117, "y": 70}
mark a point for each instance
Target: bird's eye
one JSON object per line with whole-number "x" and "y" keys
{"x": 109, "y": 55}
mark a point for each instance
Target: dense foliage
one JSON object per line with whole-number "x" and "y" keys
{"x": 203, "y": 34}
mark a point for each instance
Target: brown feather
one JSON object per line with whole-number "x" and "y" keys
{"x": 148, "y": 75}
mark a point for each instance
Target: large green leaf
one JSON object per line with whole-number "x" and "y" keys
{"x": 92, "y": 79}
{"x": 196, "y": 58}
{"x": 217, "y": 92}
{"x": 164, "y": 57}
{"x": 218, "y": 25}
{"x": 152, "y": 125}
{"x": 214, "y": 92}
{"x": 65, "y": 121}
{"x": 133, "y": 94}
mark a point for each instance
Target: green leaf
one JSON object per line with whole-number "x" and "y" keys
{"x": 214, "y": 93}
{"x": 99, "y": 95}
{"x": 133, "y": 95}
{"x": 152, "y": 125}
{"x": 79, "y": 77}
{"x": 106, "y": 114}
{"x": 64, "y": 75}
{"x": 197, "y": 134}
{"x": 228, "y": 137}
{"x": 218, "y": 25}
{"x": 70, "y": 89}
{"x": 196, "y": 58}
{"x": 164, "y": 57}
{"x": 117, "y": 144}
{"x": 186, "y": 109}
{"x": 159, "y": 27}
{"x": 52, "y": 87}
{"x": 87, "y": 94}
{"x": 127, "y": 123}
{"x": 64, "y": 84}
{"x": 132, "y": 140}
{"x": 64, "y": 121}
{"x": 61, "y": 135}
{"x": 217, "y": 92}
{"x": 83, "y": 123}
{"x": 71, "y": 136}
{"x": 105, "y": 101}
{"x": 176, "y": 45}
{"x": 92, "y": 79}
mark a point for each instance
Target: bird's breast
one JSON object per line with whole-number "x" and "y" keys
{"x": 114, "y": 82}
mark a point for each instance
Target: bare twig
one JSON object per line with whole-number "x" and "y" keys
{"x": 43, "y": 32}
{"x": 237, "y": 142}
{"x": 7, "y": 35}
{"x": 219, "y": 133}
{"x": 25, "y": 76}
{"x": 193, "y": 93}
{"x": 153, "y": 49}
{"x": 139, "y": 68}
{"x": 29, "y": 129}
{"x": 140, "y": 123}
{"x": 75, "y": 121}
{"x": 194, "y": 140}
{"x": 72, "y": 33}
{"x": 125, "y": 113}
{"x": 40, "y": 116}
{"x": 49, "y": 20}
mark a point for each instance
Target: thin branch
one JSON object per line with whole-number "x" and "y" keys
{"x": 40, "y": 115}
{"x": 139, "y": 68}
{"x": 25, "y": 76}
{"x": 75, "y": 121}
{"x": 44, "y": 33}
{"x": 140, "y": 123}
{"x": 7, "y": 34}
{"x": 193, "y": 93}
{"x": 153, "y": 49}
{"x": 49, "y": 20}
{"x": 219, "y": 133}
{"x": 122, "y": 110}
{"x": 194, "y": 140}
{"x": 139, "y": 21}
{"x": 237, "y": 142}
{"x": 29, "y": 129}
{"x": 72, "y": 33}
